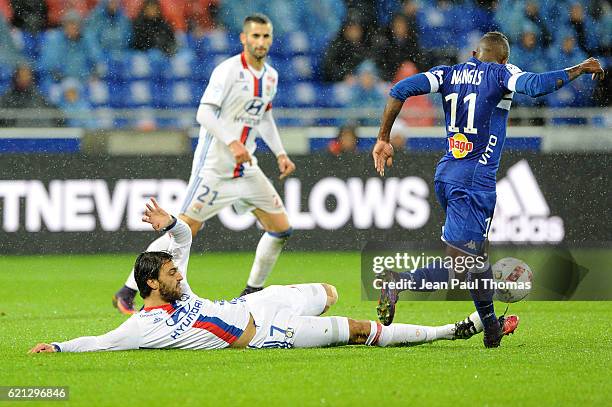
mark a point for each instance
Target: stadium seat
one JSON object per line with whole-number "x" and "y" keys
{"x": 198, "y": 88}
{"x": 202, "y": 68}
{"x": 284, "y": 66}
{"x": 4, "y": 86}
{"x": 28, "y": 43}
{"x": 54, "y": 92}
{"x": 217, "y": 42}
{"x": 340, "y": 94}
{"x": 303, "y": 94}
{"x": 98, "y": 93}
{"x": 116, "y": 91}
{"x": 6, "y": 73}
{"x": 294, "y": 43}
{"x": 138, "y": 66}
{"x": 112, "y": 69}
{"x": 182, "y": 94}
{"x": 139, "y": 94}
{"x": 181, "y": 67}
{"x": 567, "y": 96}
{"x": 302, "y": 67}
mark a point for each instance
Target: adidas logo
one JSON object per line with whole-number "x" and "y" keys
{"x": 522, "y": 214}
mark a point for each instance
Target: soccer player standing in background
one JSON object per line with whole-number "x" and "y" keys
{"x": 235, "y": 107}
{"x": 477, "y": 95}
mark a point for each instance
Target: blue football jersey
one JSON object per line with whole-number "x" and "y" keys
{"x": 476, "y": 97}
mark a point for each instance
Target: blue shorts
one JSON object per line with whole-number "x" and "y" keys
{"x": 468, "y": 216}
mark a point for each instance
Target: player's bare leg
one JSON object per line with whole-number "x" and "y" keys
{"x": 277, "y": 231}
{"x": 123, "y": 299}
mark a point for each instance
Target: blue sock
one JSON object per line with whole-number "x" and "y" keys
{"x": 483, "y": 298}
{"x": 429, "y": 274}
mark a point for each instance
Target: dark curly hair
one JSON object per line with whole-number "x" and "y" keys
{"x": 147, "y": 267}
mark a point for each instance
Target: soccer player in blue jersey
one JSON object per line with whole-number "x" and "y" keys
{"x": 476, "y": 98}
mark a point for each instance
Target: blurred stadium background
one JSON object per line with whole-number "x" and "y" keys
{"x": 99, "y": 98}
{"x": 97, "y": 113}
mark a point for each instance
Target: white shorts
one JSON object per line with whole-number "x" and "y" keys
{"x": 208, "y": 193}
{"x": 274, "y": 307}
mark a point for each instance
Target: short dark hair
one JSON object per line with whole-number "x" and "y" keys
{"x": 496, "y": 42}
{"x": 257, "y": 18}
{"x": 147, "y": 267}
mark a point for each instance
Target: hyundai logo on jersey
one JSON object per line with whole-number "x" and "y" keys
{"x": 178, "y": 314}
{"x": 254, "y": 106}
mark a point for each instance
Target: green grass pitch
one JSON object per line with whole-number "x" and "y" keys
{"x": 560, "y": 355}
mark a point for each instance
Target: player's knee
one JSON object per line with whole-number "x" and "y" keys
{"x": 332, "y": 294}
{"x": 359, "y": 331}
{"x": 284, "y": 235}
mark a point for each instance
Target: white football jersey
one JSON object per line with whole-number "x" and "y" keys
{"x": 190, "y": 323}
{"x": 242, "y": 96}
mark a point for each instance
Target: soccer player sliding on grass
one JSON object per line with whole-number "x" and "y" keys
{"x": 275, "y": 317}
{"x": 477, "y": 95}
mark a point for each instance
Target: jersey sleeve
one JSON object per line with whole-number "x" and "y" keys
{"x": 508, "y": 75}
{"x": 274, "y": 91}
{"x": 532, "y": 84}
{"x": 127, "y": 336}
{"x": 269, "y": 133}
{"x": 218, "y": 86}
{"x": 419, "y": 84}
{"x": 180, "y": 245}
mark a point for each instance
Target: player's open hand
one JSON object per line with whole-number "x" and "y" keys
{"x": 285, "y": 166}
{"x": 593, "y": 67}
{"x": 156, "y": 216}
{"x": 241, "y": 154}
{"x": 42, "y": 348}
{"x": 383, "y": 155}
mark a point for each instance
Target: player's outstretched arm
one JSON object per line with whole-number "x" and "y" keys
{"x": 540, "y": 84}
{"x": 125, "y": 337}
{"x": 43, "y": 348}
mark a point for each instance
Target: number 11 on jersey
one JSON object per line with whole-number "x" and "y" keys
{"x": 471, "y": 101}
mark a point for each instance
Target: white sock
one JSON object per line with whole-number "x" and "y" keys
{"x": 316, "y": 332}
{"x": 475, "y": 318}
{"x": 405, "y": 334}
{"x": 161, "y": 244}
{"x": 267, "y": 253}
